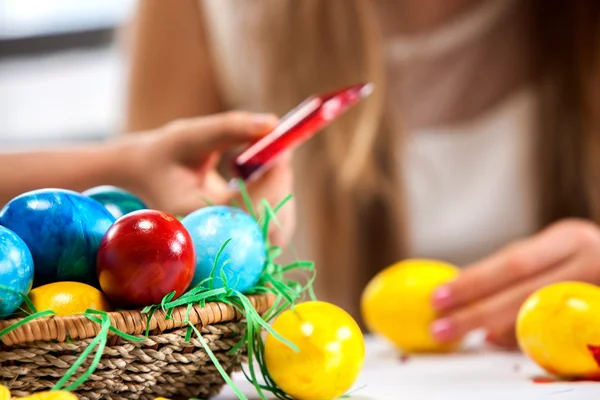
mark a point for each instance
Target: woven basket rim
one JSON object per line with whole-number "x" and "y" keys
{"x": 133, "y": 322}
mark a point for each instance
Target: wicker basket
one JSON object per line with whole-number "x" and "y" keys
{"x": 36, "y": 355}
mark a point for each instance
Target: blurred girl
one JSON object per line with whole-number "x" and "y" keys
{"x": 479, "y": 146}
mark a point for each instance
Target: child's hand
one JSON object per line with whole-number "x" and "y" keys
{"x": 174, "y": 169}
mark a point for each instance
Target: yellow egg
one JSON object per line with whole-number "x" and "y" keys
{"x": 58, "y": 395}
{"x": 396, "y": 304}
{"x": 557, "y": 324}
{"x": 68, "y": 298}
{"x": 331, "y": 355}
{"x": 4, "y": 393}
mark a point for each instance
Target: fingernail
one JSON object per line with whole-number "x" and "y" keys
{"x": 442, "y": 297}
{"x": 442, "y": 330}
{"x": 264, "y": 123}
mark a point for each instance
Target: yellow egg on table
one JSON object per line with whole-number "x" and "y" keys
{"x": 397, "y": 305}
{"x": 4, "y": 393}
{"x": 68, "y": 298}
{"x": 57, "y": 395}
{"x": 331, "y": 356}
{"x": 558, "y": 327}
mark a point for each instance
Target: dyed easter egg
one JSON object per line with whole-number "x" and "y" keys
{"x": 4, "y": 393}
{"x": 403, "y": 292}
{"x": 144, "y": 256}
{"x": 242, "y": 260}
{"x": 51, "y": 395}
{"x": 331, "y": 351}
{"x": 62, "y": 229}
{"x": 68, "y": 298}
{"x": 558, "y": 327}
{"x": 116, "y": 200}
{"x": 16, "y": 271}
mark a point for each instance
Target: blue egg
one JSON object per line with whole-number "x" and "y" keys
{"x": 242, "y": 260}
{"x": 16, "y": 271}
{"x": 116, "y": 200}
{"x": 62, "y": 229}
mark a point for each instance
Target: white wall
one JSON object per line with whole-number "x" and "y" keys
{"x": 64, "y": 96}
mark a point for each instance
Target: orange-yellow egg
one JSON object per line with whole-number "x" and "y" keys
{"x": 558, "y": 327}
{"x": 51, "y": 395}
{"x": 68, "y": 298}
{"x": 4, "y": 393}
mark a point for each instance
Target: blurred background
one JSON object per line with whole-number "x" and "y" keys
{"x": 62, "y": 70}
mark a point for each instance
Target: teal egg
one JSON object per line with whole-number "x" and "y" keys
{"x": 116, "y": 200}
{"x": 241, "y": 261}
{"x": 16, "y": 271}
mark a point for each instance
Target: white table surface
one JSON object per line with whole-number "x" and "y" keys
{"x": 478, "y": 373}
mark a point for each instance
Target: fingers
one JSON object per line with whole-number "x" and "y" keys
{"x": 208, "y": 166}
{"x": 211, "y": 189}
{"x": 505, "y": 339}
{"x": 515, "y": 263}
{"x": 498, "y": 312}
{"x": 274, "y": 186}
{"x": 219, "y": 131}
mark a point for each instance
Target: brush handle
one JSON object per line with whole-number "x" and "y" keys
{"x": 296, "y": 127}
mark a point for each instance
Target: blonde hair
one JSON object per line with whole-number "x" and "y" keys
{"x": 346, "y": 177}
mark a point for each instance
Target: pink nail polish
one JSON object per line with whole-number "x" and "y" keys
{"x": 442, "y": 297}
{"x": 442, "y": 330}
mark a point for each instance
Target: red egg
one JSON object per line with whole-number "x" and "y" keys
{"x": 144, "y": 256}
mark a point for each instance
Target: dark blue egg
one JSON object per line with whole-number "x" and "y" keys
{"x": 62, "y": 229}
{"x": 16, "y": 271}
{"x": 242, "y": 260}
{"x": 116, "y": 200}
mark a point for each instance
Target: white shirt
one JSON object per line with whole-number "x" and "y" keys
{"x": 471, "y": 188}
